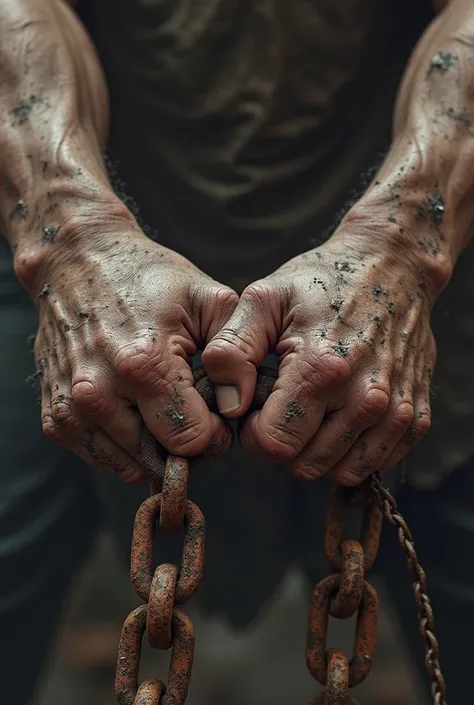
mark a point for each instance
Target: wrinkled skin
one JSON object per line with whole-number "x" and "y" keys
{"x": 350, "y": 323}
{"x": 119, "y": 322}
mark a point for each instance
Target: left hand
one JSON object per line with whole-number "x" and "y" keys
{"x": 350, "y": 323}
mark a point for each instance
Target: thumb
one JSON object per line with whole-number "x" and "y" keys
{"x": 233, "y": 355}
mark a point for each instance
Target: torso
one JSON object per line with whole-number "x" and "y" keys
{"x": 242, "y": 124}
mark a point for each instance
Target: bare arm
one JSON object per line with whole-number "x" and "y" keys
{"x": 53, "y": 132}
{"x": 116, "y": 327}
{"x": 424, "y": 194}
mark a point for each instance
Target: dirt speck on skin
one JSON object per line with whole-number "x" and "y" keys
{"x": 341, "y": 349}
{"x": 377, "y": 290}
{"x": 294, "y": 411}
{"x": 45, "y": 290}
{"x": 49, "y": 234}
{"x": 344, "y": 267}
{"x": 442, "y": 61}
{"x": 336, "y": 304}
{"x": 435, "y": 207}
{"x": 176, "y": 416}
{"x": 349, "y": 436}
{"x": 21, "y": 112}
{"x": 460, "y": 118}
{"x": 321, "y": 283}
{"x": 20, "y": 210}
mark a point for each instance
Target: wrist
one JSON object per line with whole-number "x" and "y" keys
{"x": 56, "y": 212}
{"x": 413, "y": 213}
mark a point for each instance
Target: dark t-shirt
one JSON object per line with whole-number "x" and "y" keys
{"x": 241, "y": 127}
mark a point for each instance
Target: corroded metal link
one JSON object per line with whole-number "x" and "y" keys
{"x": 160, "y": 606}
{"x": 346, "y": 602}
{"x": 425, "y": 612}
{"x": 150, "y": 693}
{"x": 266, "y": 379}
{"x": 141, "y": 573}
{"x": 365, "y": 637}
{"x": 370, "y": 530}
{"x": 128, "y": 656}
{"x": 129, "y": 652}
{"x": 339, "y": 595}
{"x": 174, "y": 494}
{"x": 337, "y": 684}
{"x": 320, "y": 700}
{"x": 181, "y": 662}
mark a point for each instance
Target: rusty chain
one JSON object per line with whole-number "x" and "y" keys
{"x": 342, "y": 594}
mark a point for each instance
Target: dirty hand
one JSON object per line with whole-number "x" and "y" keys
{"x": 119, "y": 321}
{"x": 350, "y": 323}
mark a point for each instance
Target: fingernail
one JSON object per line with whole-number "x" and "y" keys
{"x": 228, "y": 398}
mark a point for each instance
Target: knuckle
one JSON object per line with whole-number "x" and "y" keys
{"x": 419, "y": 427}
{"x": 402, "y": 416}
{"x": 373, "y": 404}
{"x": 88, "y": 394}
{"x": 140, "y": 362}
{"x": 223, "y": 346}
{"x": 189, "y": 440}
{"x": 60, "y": 420}
{"x": 63, "y": 413}
{"x": 257, "y": 294}
{"x": 278, "y": 445}
{"x": 230, "y": 345}
{"x": 50, "y": 429}
{"x": 326, "y": 370}
{"x": 225, "y": 298}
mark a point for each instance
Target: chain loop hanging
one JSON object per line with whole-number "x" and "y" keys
{"x": 342, "y": 594}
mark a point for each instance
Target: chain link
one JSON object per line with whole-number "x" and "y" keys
{"x": 342, "y": 594}
{"x": 425, "y": 611}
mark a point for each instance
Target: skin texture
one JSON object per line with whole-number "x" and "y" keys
{"x": 350, "y": 321}
{"x": 120, "y": 316}
{"x": 115, "y": 348}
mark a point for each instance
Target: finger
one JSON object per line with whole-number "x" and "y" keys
{"x": 375, "y": 445}
{"x": 420, "y": 425}
{"x": 64, "y": 426}
{"x": 340, "y": 430}
{"x": 297, "y": 405}
{"x": 215, "y": 303}
{"x": 98, "y": 450}
{"x": 96, "y": 400}
{"x": 161, "y": 384}
{"x": 233, "y": 355}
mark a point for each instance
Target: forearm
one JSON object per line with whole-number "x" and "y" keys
{"x": 53, "y": 101}
{"x": 423, "y": 196}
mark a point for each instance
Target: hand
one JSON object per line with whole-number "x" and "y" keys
{"x": 350, "y": 323}
{"x": 119, "y": 321}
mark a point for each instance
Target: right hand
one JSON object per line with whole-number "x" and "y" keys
{"x": 120, "y": 319}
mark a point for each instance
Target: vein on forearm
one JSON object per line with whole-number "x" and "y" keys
{"x": 423, "y": 195}
{"x": 53, "y": 108}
